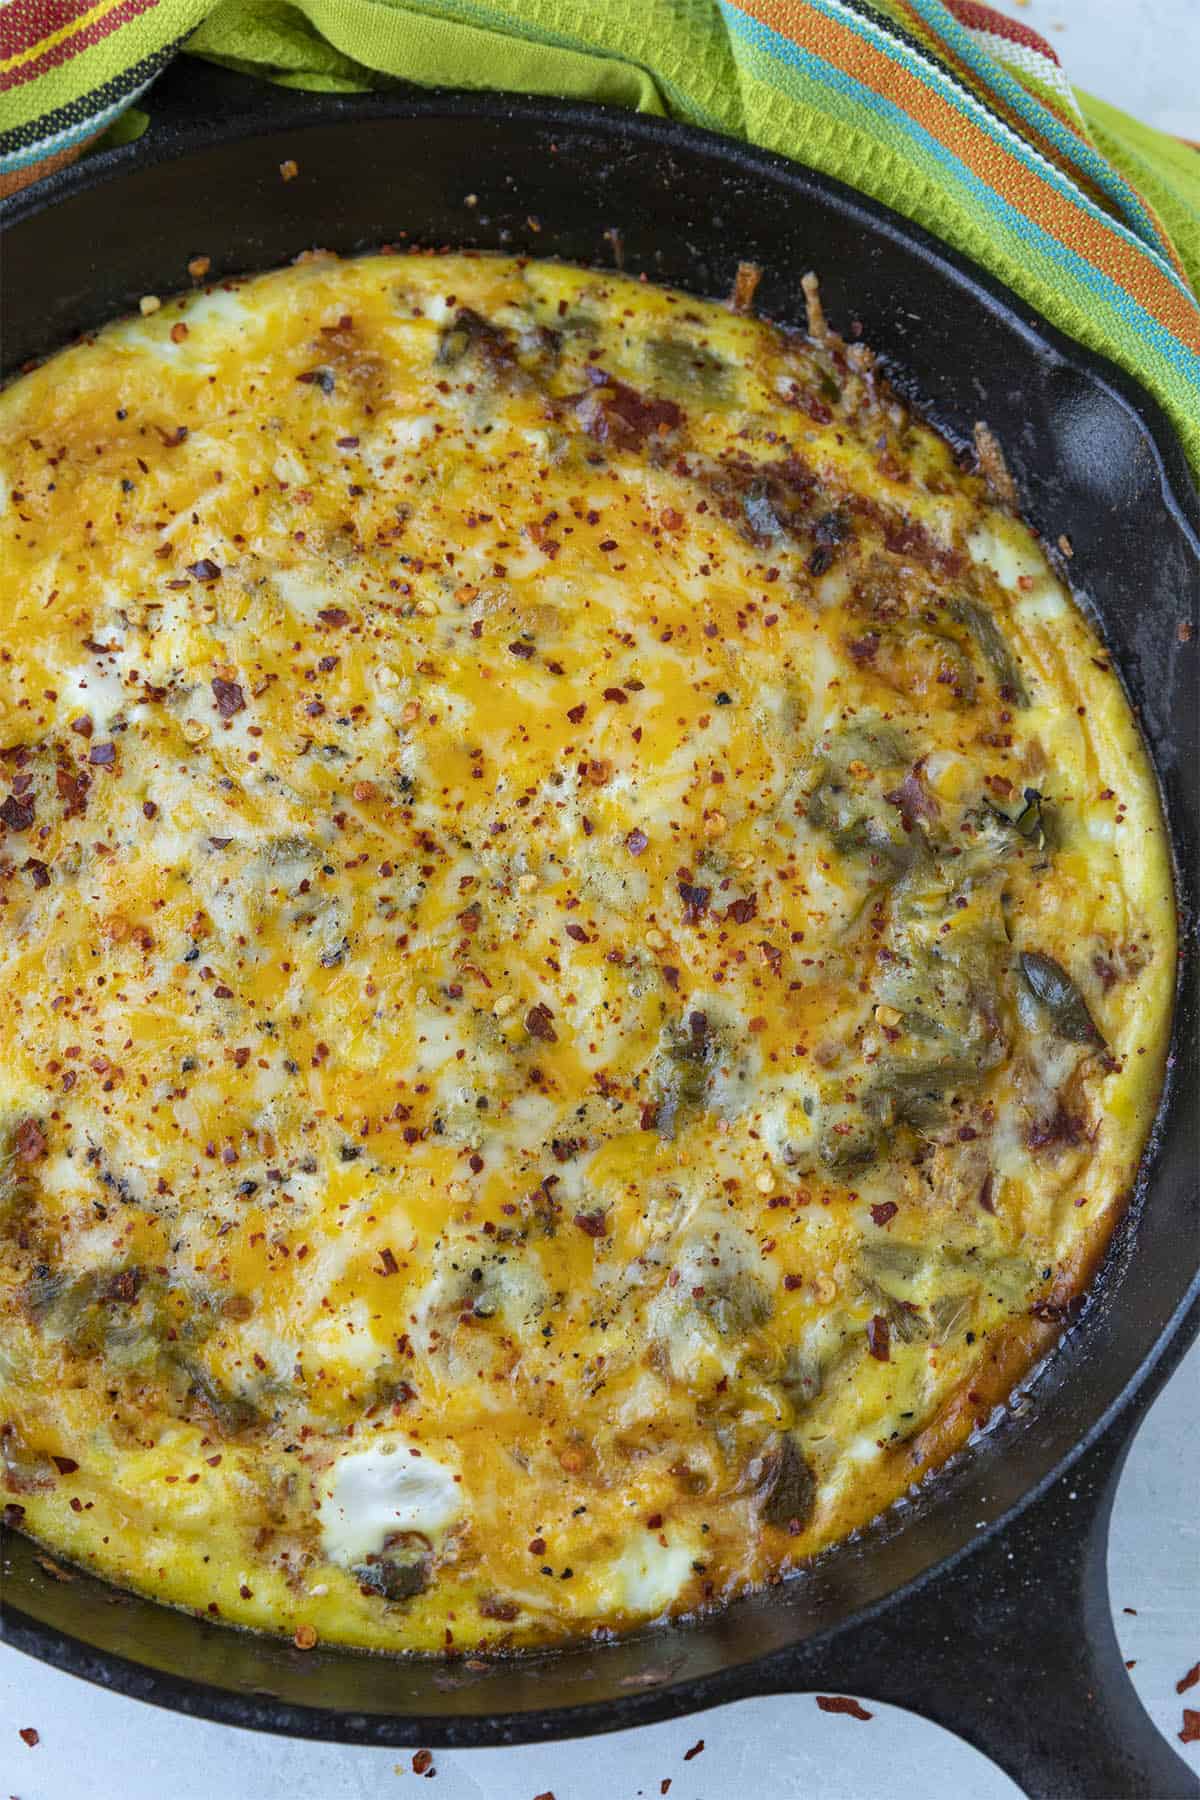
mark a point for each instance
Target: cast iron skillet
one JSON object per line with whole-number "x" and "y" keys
{"x": 983, "y": 1604}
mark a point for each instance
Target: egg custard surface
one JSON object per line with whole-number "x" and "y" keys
{"x": 586, "y": 951}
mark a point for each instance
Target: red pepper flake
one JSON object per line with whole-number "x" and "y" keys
{"x": 491, "y": 1606}
{"x": 636, "y": 841}
{"x": 792, "y": 1282}
{"x": 520, "y": 649}
{"x": 695, "y": 1750}
{"x": 740, "y": 912}
{"x": 841, "y": 1703}
{"x": 576, "y": 713}
{"x": 30, "y": 1141}
{"x": 1189, "y": 1680}
{"x": 578, "y": 933}
{"x": 37, "y": 871}
{"x": 879, "y": 1338}
{"x": 333, "y": 615}
{"x": 422, "y": 1761}
{"x": 388, "y": 1260}
{"x": 66, "y": 1465}
{"x": 29, "y": 1736}
{"x": 204, "y": 570}
{"x": 18, "y": 812}
{"x": 616, "y": 694}
{"x": 664, "y": 1786}
{"x": 228, "y": 697}
{"x": 103, "y": 755}
{"x": 538, "y": 1023}
{"x": 1191, "y": 1727}
{"x": 72, "y": 791}
{"x": 885, "y": 1212}
{"x": 537, "y": 1546}
{"x": 82, "y": 725}
{"x": 593, "y": 1223}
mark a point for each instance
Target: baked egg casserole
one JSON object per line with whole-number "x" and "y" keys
{"x": 587, "y": 950}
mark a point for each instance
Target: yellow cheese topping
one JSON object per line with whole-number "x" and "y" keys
{"x": 587, "y": 950}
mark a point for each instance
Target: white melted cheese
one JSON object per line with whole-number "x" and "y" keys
{"x": 369, "y": 1494}
{"x": 647, "y": 1576}
{"x": 1005, "y": 555}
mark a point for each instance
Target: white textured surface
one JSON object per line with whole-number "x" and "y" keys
{"x": 1143, "y": 55}
{"x": 1154, "y": 1554}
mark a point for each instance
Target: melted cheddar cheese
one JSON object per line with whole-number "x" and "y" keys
{"x": 586, "y": 957}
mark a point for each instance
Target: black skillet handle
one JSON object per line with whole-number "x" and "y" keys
{"x": 1014, "y": 1650}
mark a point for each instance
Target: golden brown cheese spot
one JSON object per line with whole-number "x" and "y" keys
{"x": 588, "y": 946}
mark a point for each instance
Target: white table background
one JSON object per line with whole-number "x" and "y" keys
{"x": 1143, "y": 55}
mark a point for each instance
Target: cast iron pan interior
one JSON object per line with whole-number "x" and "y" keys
{"x": 981, "y": 1604}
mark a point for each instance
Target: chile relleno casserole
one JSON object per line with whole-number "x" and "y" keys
{"x": 587, "y": 950}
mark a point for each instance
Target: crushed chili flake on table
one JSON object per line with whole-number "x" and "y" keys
{"x": 1191, "y": 1726}
{"x": 842, "y": 1703}
{"x": 1189, "y": 1680}
{"x": 30, "y": 1736}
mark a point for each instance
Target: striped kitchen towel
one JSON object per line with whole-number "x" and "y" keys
{"x": 957, "y": 117}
